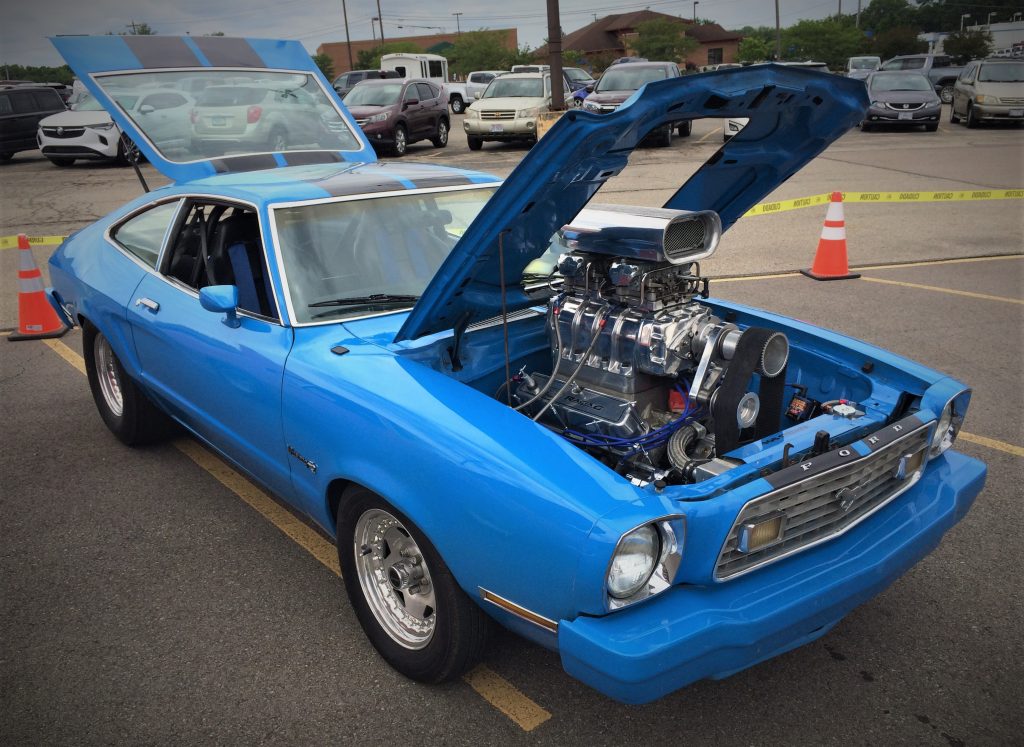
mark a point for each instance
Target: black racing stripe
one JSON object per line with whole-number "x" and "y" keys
{"x": 162, "y": 51}
{"x": 455, "y": 180}
{"x": 224, "y": 51}
{"x": 244, "y": 163}
{"x": 308, "y": 158}
{"x": 353, "y": 184}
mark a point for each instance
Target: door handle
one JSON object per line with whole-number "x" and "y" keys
{"x": 148, "y": 303}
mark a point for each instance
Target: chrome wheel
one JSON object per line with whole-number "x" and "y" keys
{"x": 400, "y": 142}
{"x": 946, "y": 94}
{"x": 109, "y": 380}
{"x": 442, "y": 133}
{"x": 394, "y": 578}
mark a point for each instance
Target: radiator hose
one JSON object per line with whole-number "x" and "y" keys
{"x": 678, "y": 444}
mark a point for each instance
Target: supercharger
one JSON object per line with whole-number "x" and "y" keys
{"x": 628, "y": 329}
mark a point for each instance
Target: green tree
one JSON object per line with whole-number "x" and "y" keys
{"x": 572, "y": 57}
{"x": 37, "y": 73}
{"x": 753, "y": 49}
{"x": 902, "y": 40}
{"x": 599, "y": 61}
{"x": 663, "y": 40}
{"x": 370, "y": 59}
{"x": 479, "y": 50}
{"x": 829, "y": 41}
{"x": 326, "y": 65}
{"x": 883, "y": 15}
{"x": 969, "y": 45}
{"x": 139, "y": 29}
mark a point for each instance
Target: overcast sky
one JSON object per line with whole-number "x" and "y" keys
{"x": 27, "y": 23}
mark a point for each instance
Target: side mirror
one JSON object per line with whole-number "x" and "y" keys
{"x": 409, "y": 102}
{"x": 146, "y": 109}
{"x": 221, "y": 299}
{"x": 590, "y": 87}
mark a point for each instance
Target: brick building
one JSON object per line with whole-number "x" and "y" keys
{"x": 433, "y": 43}
{"x": 612, "y": 37}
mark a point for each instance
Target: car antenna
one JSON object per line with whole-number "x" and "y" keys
{"x": 132, "y": 152}
{"x": 504, "y": 316}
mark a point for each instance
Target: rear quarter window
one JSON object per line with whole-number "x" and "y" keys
{"x": 22, "y": 102}
{"x": 5, "y": 104}
{"x": 143, "y": 235}
{"x": 231, "y": 96}
{"x": 48, "y": 100}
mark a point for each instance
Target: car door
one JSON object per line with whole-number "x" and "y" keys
{"x": 412, "y": 109}
{"x": 221, "y": 380}
{"x": 963, "y": 90}
{"x": 431, "y": 106}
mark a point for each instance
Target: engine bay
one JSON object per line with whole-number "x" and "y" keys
{"x": 643, "y": 375}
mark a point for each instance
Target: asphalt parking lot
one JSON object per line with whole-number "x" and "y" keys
{"x": 155, "y": 596}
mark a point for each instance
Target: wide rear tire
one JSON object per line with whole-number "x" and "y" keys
{"x": 406, "y": 600}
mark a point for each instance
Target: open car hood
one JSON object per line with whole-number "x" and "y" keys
{"x": 794, "y": 115}
{"x": 183, "y": 144}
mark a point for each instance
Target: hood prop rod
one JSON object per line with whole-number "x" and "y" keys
{"x": 133, "y": 158}
{"x": 504, "y": 316}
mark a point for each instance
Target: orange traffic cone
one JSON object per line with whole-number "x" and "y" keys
{"x": 36, "y": 318}
{"x": 830, "y": 260}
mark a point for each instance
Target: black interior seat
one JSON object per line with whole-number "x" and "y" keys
{"x": 236, "y": 258}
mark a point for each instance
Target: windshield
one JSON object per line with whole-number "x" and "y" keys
{"x": 384, "y": 94}
{"x": 195, "y": 114}
{"x": 515, "y": 88}
{"x": 576, "y": 74}
{"x": 87, "y": 104}
{"x": 909, "y": 82}
{"x": 379, "y": 246}
{"x": 1002, "y": 72}
{"x": 865, "y": 63}
{"x": 629, "y": 78}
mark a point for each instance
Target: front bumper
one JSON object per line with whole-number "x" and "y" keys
{"x": 690, "y": 633}
{"x": 379, "y": 133}
{"x": 520, "y": 128}
{"x": 924, "y": 116}
{"x": 999, "y": 112}
{"x": 92, "y": 143}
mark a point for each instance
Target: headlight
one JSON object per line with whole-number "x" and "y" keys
{"x": 984, "y": 98}
{"x": 104, "y": 126}
{"x": 472, "y": 113}
{"x": 527, "y": 113}
{"x": 948, "y": 426}
{"x": 590, "y": 106}
{"x": 633, "y": 562}
{"x": 379, "y": 117}
{"x": 645, "y": 561}
{"x": 878, "y": 104}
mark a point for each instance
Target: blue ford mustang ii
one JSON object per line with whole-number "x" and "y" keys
{"x": 504, "y": 401}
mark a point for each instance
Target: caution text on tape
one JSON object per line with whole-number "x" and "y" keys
{"x": 11, "y": 242}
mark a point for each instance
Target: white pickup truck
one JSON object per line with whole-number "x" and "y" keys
{"x": 434, "y": 68}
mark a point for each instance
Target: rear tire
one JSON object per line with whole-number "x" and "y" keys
{"x": 401, "y": 141}
{"x": 406, "y": 600}
{"x": 62, "y": 162}
{"x": 440, "y": 140}
{"x": 124, "y": 408}
{"x": 865, "y": 127}
{"x": 474, "y": 143}
{"x": 685, "y": 128}
{"x": 665, "y": 140}
{"x": 931, "y": 127}
{"x": 946, "y": 93}
{"x": 458, "y": 105}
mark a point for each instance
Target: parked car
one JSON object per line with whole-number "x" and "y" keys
{"x": 901, "y": 99}
{"x": 618, "y": 84}
{"x": 86, "y": 131}
{"x": 860, "y": 67}
{"x": 938, "y": 67}
{"x": 989, "y": 91}
{"x": 612, "y": 474}
{"x": 347, "y": 81}
{"x": 578, "y": 78}
{"x": 396, "y": 113}
{"x": 21, "y": 109}
{"x": 477, "y": 82}
{"x": 509, "y": 109}
{"x": 733, "y": 125}
{"x": 432, "y": 67}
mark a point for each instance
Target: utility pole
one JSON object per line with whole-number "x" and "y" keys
{"x": 348, "y": 40}
{"x": 380, "y": 20}
{"x": 778, "y": 34}
{"x": 695, "y": 4}
{"x": 839, "y": 15}
{"x": 857, "y": 22}
{"x": 555, "y": 55}
{"x": 458, "y": 28}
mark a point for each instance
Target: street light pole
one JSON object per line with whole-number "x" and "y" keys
{"x": 555, "y": 55}
{"x": 348, "y": 40}
{"x": 695, "y": 4}
{"x": 380, "y": 20}
{"x": 778, "y": 34}
{"x": 458, "y": 28}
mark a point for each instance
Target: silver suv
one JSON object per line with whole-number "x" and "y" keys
{"x": 241, "y": 117}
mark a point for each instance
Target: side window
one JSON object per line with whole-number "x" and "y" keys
{"x": 47, "y": 100}
{"x": 426, "y": 92}
{"x": 220, "y": 244}
{"x": 436, "y": 69}
{"x": 411, "y": 94}
{"x": 23, "y": 103}
{"x": 164, "y": 100}
{"x": 401, "y": 71}
{"x": 5, "y": 104}
{"x": 144, "y": 234}
{"x": 914, "y": 63}
{"x": 940, "y": 62}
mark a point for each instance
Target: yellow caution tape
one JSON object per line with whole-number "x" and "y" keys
{"x": 805, "y": 202}
{"x": 765, "y": 208}
{"x": 11, "y": 242}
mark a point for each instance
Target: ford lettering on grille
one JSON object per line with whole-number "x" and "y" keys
{"x": 823, "y": 497}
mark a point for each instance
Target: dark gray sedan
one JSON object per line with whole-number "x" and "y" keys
{"x": 901, "y": 98}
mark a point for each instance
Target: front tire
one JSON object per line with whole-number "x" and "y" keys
{"x": 474, "y": 143}
{"x": 685, "y": 128}
{"x": 62, "y": 162}
{"x": 458, "y": 105}
{"x": 126, "y": 155}
{"x": 954, "y": 118}
{"x": 972, "y": 118}
{"x": 440, "y": 140}
{"x": 665, "y": 139}
{"x": 405, "y": 598}
{"x": 124, "y": 408}
{"x": 931, "y": 128}
{"x": 6, "y": 156}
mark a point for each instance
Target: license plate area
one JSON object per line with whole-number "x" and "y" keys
{"x": 906, "y": 115}
{"x": 497, "y": 128}
{"x": 1017, "y": 112}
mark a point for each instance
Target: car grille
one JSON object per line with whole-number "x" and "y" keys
{"x": 1011, "y": 102}
{"x": 64, "y": 132}
{"x": 498, "y": 114}
{"x": 608, "y": 107}
{"x": 905, "y": 107}
{"x": 828, "y": 503}
{"x": 362, "y": 122}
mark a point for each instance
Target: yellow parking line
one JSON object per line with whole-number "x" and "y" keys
{"x": 992, "y": 443}
{"x": 717, "y": 129}
{"x": 500, "y": 693}
{"x": 489, "y": 685}
{"x": 937, "y": 289}
{"x": 895, "y": 266}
